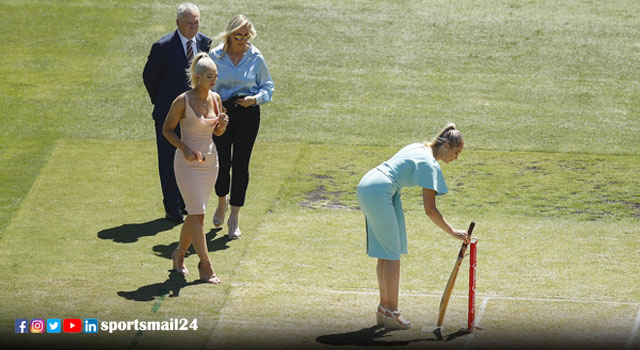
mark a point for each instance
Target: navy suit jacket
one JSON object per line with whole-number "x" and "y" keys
{"x": 165, "y": 74}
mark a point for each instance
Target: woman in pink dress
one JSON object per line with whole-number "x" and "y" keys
{"x": 199, "y": 112}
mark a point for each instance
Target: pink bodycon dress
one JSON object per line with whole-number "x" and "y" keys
{"x": 196, "y": 180}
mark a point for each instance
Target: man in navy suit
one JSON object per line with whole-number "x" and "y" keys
{"x": 165, "y": 78}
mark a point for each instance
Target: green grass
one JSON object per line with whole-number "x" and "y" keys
{"x": 102, "y": 252}
{"x": 547, "y": 96}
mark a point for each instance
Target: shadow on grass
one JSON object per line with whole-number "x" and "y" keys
{"x": 365, "y": 337}
{"x": 171, "y": 288}
{"x": 460, "y": 333}
{"x": 176, "y": 281}
{"x": 213, "y": 245}
{"x": 129, "y": 233}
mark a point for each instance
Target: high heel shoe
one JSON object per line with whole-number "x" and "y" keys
{"x": 179, "y": 265}
{"x": 205, "y": 276}
{"x": 234, "y": 230}
{"x": 219, "y": 220}
{"x": 395, "y": 320}
{"x": 380, "y": 315}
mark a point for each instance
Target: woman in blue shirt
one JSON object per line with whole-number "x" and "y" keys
{"x": 379, "y": 199}
{"x": 244, "y": 83}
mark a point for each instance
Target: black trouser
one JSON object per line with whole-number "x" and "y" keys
{"x": 171, "y": 197}
{"x": 234, "y": 151}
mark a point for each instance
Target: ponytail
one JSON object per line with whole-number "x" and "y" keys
{"x": 448, "y": 134}
{"x": 198, "y": 65}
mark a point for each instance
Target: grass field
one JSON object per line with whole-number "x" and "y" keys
{"x": 547, "y": 96}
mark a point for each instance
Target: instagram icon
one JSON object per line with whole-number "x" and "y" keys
{"x": 37, "y": 325}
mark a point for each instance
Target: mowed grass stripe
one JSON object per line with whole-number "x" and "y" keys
{"x": 89, "y": 240}
{"x": 326, "y": 249}
{"x": 313, "y": 243}
{"x": 72, "y": 76}
{"x": 92, "y": 226}
{"x": 514, "y": 76}
{"x": 524, "y": 72}
{"x": 321, "y": 317}
{"x": 572, "y": 187}
{"x": 77, "y": 74}
{"x": 21, "y": 162}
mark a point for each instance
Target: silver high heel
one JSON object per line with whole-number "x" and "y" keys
{"x": 219, "y": 220}
{"x": 234, "y": 230}
{"x": 394, "y": 320}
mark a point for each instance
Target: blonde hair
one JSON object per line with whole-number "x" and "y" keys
{"x": 448, "y": 134}
{"x": 237, "y": 22}
{"x": 199, "y": 65}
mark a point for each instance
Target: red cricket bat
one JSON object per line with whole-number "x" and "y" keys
{"x": 452, "y": 279}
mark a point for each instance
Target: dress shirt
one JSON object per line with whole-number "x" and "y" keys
{"x": 250, "y": 77}
{"x": 184, "y": 40}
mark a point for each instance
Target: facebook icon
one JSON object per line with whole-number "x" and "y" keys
{"x": 21, "y": 326}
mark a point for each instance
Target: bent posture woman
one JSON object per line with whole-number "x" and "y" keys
{"x": 379, "y": 198}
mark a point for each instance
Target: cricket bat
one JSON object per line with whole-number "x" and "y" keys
{"x": 452, "y": 279}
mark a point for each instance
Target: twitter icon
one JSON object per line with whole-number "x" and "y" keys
{"x": 53, "y": 325}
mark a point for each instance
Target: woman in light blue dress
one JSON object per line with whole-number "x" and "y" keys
{"x": 379, "y": 199}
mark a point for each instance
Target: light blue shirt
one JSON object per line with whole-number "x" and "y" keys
{"x": 414, "y": 165}
{"x": 250, "y": 77}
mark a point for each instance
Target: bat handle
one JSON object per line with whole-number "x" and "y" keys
{"x": 471, "y": 226}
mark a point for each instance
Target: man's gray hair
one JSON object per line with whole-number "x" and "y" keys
{"x": 187, "y": 6}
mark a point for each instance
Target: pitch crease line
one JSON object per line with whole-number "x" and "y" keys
{"x": 634, "y": 332}
{"x": 497, "y": 298}
{"x": 483, "y": 306}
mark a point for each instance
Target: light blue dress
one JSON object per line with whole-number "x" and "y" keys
{"x": 379, "y": 197}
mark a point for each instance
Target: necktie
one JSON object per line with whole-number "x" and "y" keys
{"x": 189, "y": 51}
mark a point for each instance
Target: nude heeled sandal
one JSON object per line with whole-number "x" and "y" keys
{"x": 180, "y": 268}
{"x": 380, "y": 315}
{"x": 207, "y": 278}
{"x": 394, "y": 320}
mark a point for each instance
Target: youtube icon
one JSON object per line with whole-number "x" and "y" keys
{"x": 72, "y": 325}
